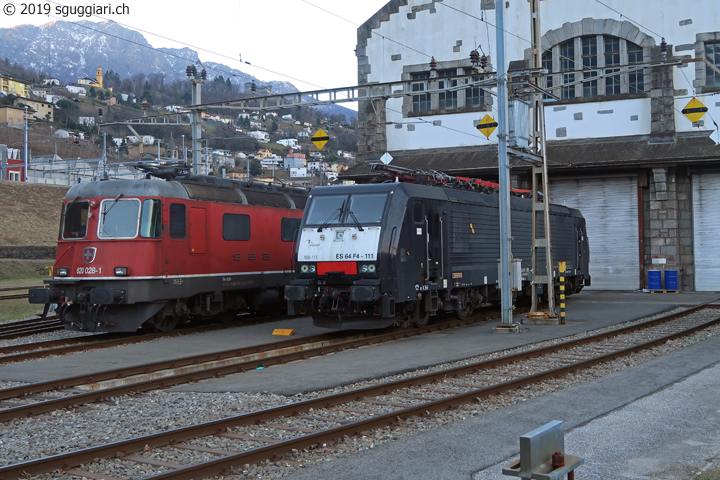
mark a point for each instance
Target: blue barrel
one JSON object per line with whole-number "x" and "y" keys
{"x": 671, "y": 280}
{"x": 654, "y": 280}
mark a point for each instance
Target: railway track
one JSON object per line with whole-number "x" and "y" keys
{"x": 29, "y": 327}
{"x": 268, "y": 434}
{"x": 15, "y": 296}
{"x": 151, "y": 376}
{"x": 93, "y": 341}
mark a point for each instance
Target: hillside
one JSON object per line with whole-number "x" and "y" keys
{"x": 29, "y": 214}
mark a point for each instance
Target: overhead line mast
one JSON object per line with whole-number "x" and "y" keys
{"x": 540, "y": 179}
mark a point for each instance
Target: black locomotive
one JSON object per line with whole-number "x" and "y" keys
{"x": 376, "y": 255}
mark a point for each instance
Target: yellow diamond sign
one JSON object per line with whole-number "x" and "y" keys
{"x": 320, "y": 138}
{"x": 694, "y": 110}
{"x": 487, "y": 125}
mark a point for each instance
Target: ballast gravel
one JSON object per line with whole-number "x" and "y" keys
{"x": 129, "y": 416}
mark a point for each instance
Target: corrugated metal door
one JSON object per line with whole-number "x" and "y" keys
{"x": 610, "y": 208}
{"x": 706, "y": 224}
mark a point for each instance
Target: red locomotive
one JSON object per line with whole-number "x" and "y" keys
{"x": 154, "y": 253}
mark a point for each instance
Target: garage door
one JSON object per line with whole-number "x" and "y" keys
{"x": 609, "y": 206}
{"x": 706, "y": 224}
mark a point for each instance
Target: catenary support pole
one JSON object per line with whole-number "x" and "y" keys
{"x": 505, "y": 238}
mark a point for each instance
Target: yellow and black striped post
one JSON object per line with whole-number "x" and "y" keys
{"x": 561, "y": 268}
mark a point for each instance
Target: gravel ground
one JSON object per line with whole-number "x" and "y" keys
{"x": 134, "y": 415}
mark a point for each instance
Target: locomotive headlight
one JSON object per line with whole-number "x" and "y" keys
{"x": 121, "y": 271}
{"x": 61, "y": 272}
{"x": 367, "y": 268}
{"x": 308, "y": 268}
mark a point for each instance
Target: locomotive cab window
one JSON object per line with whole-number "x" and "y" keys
{"x": 357, "y": 209}
{"x": 75, "y": 220}
{"x": 325, "y": 210}
{"x": 367, "y": 208}
{"x": 151, "y": 219}
{"x": 236, "y": 227}
{"x": 119, "y": 218}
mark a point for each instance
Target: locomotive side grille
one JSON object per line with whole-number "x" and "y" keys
{"x": 469, "y": 233}
{"x": 212, "y": 193}
{"x": 267, "y": 198}
{"x": 299, "y": 200}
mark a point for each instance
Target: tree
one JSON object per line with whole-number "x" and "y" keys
{"x": 111, "y": 80}
{"x": 255, "y": 168}
{"x": 147, "y": 93}
{"x": 67, "y": 108}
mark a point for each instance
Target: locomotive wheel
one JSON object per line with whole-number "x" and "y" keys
{"x": 164, "y": 324}
{"x": 418, "y": 314}
{"x": 464, "y": 312}
{"x": 227, "y": 316}
{"x": 421, "y": 322}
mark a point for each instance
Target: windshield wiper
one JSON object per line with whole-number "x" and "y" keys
{"x": 106, "y": 211}
{"x": 331, "y": 217}
{"x": 357, "y": 222}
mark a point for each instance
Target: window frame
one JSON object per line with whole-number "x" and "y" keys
{"x": 591, "y": 66}
{"x": 455, "y": 74}
{"x": 108, "y": 205}
{"x": 83, "y": 207}
{"x": 709, "y": 72}
{"x": 178, "y": 221}
{"x": 241, "y": 227}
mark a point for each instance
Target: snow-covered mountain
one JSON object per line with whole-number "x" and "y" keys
{"x": 72, "y": 50}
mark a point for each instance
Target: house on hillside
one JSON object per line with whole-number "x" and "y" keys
{"x": 289, "y": 142}
{"x": 76, "y": 89}
{"x": 89, "y": 82}
{"x": 260, "y": 136}
{"x": 12, "y": 116}
{"x": 264, "y": 153}
{"x": 11, "y": 164}
{"x": 15, "y": 86}
{"x": 37, "y": 108}
{"x": 51, "y": 82}
{"x": 145, "y": 139}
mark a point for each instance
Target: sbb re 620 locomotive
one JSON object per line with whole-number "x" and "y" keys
{"x": 383, "y": 254}
{"x": 153, "y": 252}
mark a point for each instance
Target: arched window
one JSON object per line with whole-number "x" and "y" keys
{"x": 712, "y": 54}
{"x": 593, "y": 65}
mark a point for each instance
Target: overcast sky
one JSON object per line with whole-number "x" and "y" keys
{"x": 310, "y": 43}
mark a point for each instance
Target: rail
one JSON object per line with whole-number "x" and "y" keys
{"x": 410, "y": 397}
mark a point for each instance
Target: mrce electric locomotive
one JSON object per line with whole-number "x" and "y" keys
{"x": 396, "y": 253}
{"x": 154, "y": 253}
